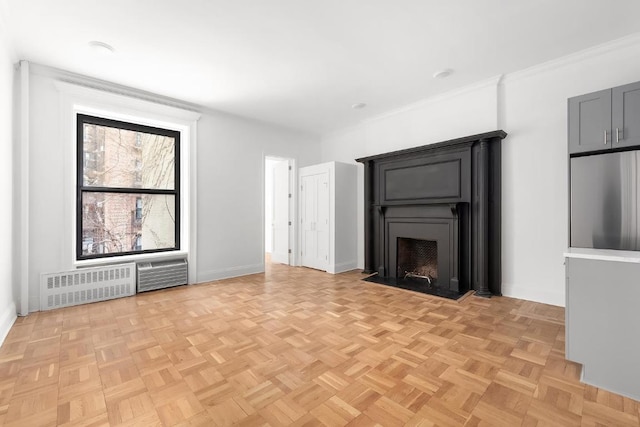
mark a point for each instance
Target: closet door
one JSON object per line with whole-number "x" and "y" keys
{"x": 314, "y": 218}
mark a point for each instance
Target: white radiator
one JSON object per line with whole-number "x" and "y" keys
{"x": 159, "y": 275}
{"x": 86, "y": 285}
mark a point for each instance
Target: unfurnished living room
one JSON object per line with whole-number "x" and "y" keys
{"x": 333, "y": 213}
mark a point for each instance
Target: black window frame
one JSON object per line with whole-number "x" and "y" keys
{"x": 81, "y": 120}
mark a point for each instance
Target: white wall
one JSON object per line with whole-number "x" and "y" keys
{"x": 7, "y": 121}
{"x": 531, "y": 106}
{"x": 229, "y": 182}
{"x": 535, "y": 190}
{"x": 231, "y": 154}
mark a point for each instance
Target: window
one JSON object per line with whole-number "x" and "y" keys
{"x": 128, "y": 188}
{"x": 138, "y": 208}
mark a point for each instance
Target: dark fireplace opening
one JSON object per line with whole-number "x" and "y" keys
{"x": 415, "y": 263}
{"x": 417, "y": 259}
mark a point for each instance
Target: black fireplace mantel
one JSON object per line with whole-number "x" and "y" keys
{"x": 420, "y": 185}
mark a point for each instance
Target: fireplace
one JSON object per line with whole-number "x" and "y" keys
{"x": 417, "y": 259}
{"x": 432, "y": 216}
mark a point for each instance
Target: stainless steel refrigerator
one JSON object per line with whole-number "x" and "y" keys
{"x": 605, "y": 201}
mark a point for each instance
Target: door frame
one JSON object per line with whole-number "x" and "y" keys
{"x": 293, "y": 206}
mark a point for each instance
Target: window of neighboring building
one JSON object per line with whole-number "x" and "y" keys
{"x": 128, "y": 188}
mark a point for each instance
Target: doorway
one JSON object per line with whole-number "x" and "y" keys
{"x": 279, "y": 205}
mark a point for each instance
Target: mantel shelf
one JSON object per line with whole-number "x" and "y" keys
{"x": 452, "y": 143}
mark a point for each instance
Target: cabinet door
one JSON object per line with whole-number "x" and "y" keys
{"x": 626, "y": 115}
{"x": 590, "y": 122}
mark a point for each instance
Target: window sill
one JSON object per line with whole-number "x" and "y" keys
{"x": 161, "y": 256}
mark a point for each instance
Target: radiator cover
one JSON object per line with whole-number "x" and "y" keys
{"x": 162, "y": 274}
{"x": 86, "y": 285}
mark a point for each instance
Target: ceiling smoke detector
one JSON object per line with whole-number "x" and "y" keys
{"x": 101, "y": 47}
{"x": 441, "y": 74}
{"x": 359, "y": 106}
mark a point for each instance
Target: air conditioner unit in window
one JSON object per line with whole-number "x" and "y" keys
{"x": 161, "y": 274}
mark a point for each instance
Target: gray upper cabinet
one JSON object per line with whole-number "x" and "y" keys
{"x": 590, "y": 122}
{"x": 626, "y": 115}
{"x": 605, "y": 119}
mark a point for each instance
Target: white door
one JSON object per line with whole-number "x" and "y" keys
{"x": 280, "y": 224}
{"x": 314, "y": 216}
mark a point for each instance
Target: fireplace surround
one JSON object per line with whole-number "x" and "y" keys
{"x": 447, "y": 193}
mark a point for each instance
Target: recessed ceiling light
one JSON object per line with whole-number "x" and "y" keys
{"x": 101, "y": 47}
{"x": 359, "y": 106}
{"x": 441, "y": 74}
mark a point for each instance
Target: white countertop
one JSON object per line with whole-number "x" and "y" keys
{"x": 603, "y": 254}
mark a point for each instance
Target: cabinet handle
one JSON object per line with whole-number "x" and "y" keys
{"x": 605, "y": 137}
{"x": 619, "y": 135}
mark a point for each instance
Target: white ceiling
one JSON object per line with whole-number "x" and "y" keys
{"x": 303, "y": 63}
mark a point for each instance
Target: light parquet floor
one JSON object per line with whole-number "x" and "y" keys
{"x": 298, "y": 347}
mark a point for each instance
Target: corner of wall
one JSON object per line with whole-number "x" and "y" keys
{"x": 535, "y": 295}
{"x": 7, "y": 318}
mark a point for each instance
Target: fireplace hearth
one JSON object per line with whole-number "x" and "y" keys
{"x": 432, "y": 217}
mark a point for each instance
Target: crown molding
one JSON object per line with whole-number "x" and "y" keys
{"x": 358, "y": 127}
{"x": 494, "y": 81}
{"x": 108, "y": 87}
{"x": 482, "y": 84}
{"x": 118, "y": 89}
{"x": 573, "y": 58}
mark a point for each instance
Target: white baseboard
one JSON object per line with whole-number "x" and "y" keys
{"x": 608, "y": 385}
{"x": 6, "y": 321}
{"x": 34, "y": 303}
{"x": 535, "y": 295}
{"x": 344, "y": 266}
{"x": 228, "y": 273}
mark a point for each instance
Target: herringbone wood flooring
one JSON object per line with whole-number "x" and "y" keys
{"x": 298, "y": 347}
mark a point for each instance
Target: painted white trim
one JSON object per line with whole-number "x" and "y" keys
{"x": 23, "y": 310}
{"x": 129, "y": 92}
{"x": 344, "y": 266}
{"x": 493, "y": 81}
{"x": 575, "y": 57}
{"x": 84, "y": 82}
{"x": 160, "y": 256}
{"x": 81, "y": 99}
{"x": 228, "y": 273}
{"x": 584, "y": 377}
{"x": 145, "y": 107}
{"x": 192, "y": 268}
{"x": 535, "y": 295}
{"x": 293, "y": 205}
{"x": 294, "y": 260}
{"x": 6, "y": 321}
